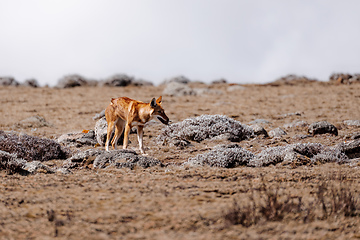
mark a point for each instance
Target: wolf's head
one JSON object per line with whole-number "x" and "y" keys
{"x": 159, "y": 111}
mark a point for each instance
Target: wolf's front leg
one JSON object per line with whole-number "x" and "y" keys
{"x": 126, "y": 135}
{"x": 140, "y": 134}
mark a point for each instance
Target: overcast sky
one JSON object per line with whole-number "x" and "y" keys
{"x": 241, "y": 41}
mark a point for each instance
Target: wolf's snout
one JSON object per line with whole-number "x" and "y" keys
{"x": 164, "y": 121}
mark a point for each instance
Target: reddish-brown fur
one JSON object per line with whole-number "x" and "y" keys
{"x": 125, "y": 113}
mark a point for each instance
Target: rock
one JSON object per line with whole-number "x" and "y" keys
{"x": 8, "y": 81}
{"x": 344, "y": 78}
{"x": 33, "y": 122}
{"x": 99, "y": 115}
{"x": 203, "y": 91}
{"x": 74, "y": 80}
{"x": 292, "y": 80}
{"x": 141, "y": 82}
{"x": 205, "y": 127}
{"x": 31, "y": 83}
{"x": 37, "y": 167}
{"x": 225, "y": 156}
{"x": 101, "y": 131}
{"x": 259, "y": 130}
{"x": 301, "y": 136}
{"x": 178, "y": 79}
{"x": 260, "y": 121}
{"x": 296, "y": 124}
{"x": 355, "y": 136}
{"x": 78, "y": 139}
{"x": 350, "y": 148}
{"x": 352, "y": 123}
{"x": 116, "y": 158}
{"x": 32, "y": 148}
{"x": 277, "y": 132}
{"x": 117, "y": 80}
{"x": 84, "y": 156}
{"x": 11, "y": 163}
{"x": 63, "y": 171}
{"x": 298, "y": 154}
{"x": 285, "y": 115}
{"x": 219, "y": 81}
{"x": 177, "y": 89}
{"x": 322, "y": 128}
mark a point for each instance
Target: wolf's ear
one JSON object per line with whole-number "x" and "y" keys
{"x": 158, "y": 101}
{"x": 153, "y": 103}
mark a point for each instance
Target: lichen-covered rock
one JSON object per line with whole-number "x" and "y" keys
{"x": 352, "y": 123}
{"x": 177, "y": 89}
{"x": 205, "y": 127}
{"x": 83, "y": 156}
{"x": 31, "y": 83}
{"x": 350, "y": 148}
{"x": 296, "y": 124}
{"x": 298, "y": 153}
{"x": 117, "y": 80}
{"x": 37, "y": 167}
{"x": 101, "y": 131}
{"x": 11, "y": 163}
{"x": 33, "y": 122}
{"x": 260, "y": 122}
{"x": 259, "y": 130}
{"x": 141, "y": 82}
{"x": 8, "y": 81}
{"x": 116, "y": 158}
{"x": 292, "y": 80}
{"x": 277, "y": 132}
{"x": 225, "y": 156}
{"x": 178, "y": 79}
{"x": 322, "y": 128}
{"x": 344, "y": 78}
{"x": 32, "y": 148}
{"x": 74, "y": 80}
{"x": 78, "y": 139}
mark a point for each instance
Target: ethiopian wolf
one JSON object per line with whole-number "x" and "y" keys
{"x": 126, "y": 113}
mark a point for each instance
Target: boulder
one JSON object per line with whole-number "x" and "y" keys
{"x": 116, "y": 158}
{"x": 32, "y": 148}
{"x": 117, "y": 80}
{"x": 8, "y": 81}
{"x": 296, "y": 124}
{"x": 37, "y": 167}
{"x": 322, "y": 128}
{"x": 350, "y": 148}
{"x": 205, "y": 127}
{"x": 259, "y": 130}
{"x": 178, "y": 79}
{"x": 33, "y": 122}
{"x": 352, "y": 123}
{"x": 11, "y": 163}
{"x": 292, "y": 80}
{"x": 344, "y": 78}
{"x": 277, "y": 132}
{"x": 225, "y": 156}
{"x": 31, "y": 83}
{"x": 78, "y": 139}
{"x": 177, "y": 89}
{"x": 99, "y": 115}
{"x": 74, "y": 80}
{"x": 260, "y": 122}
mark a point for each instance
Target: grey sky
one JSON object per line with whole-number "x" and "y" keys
{"x": 241, "y": 41}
